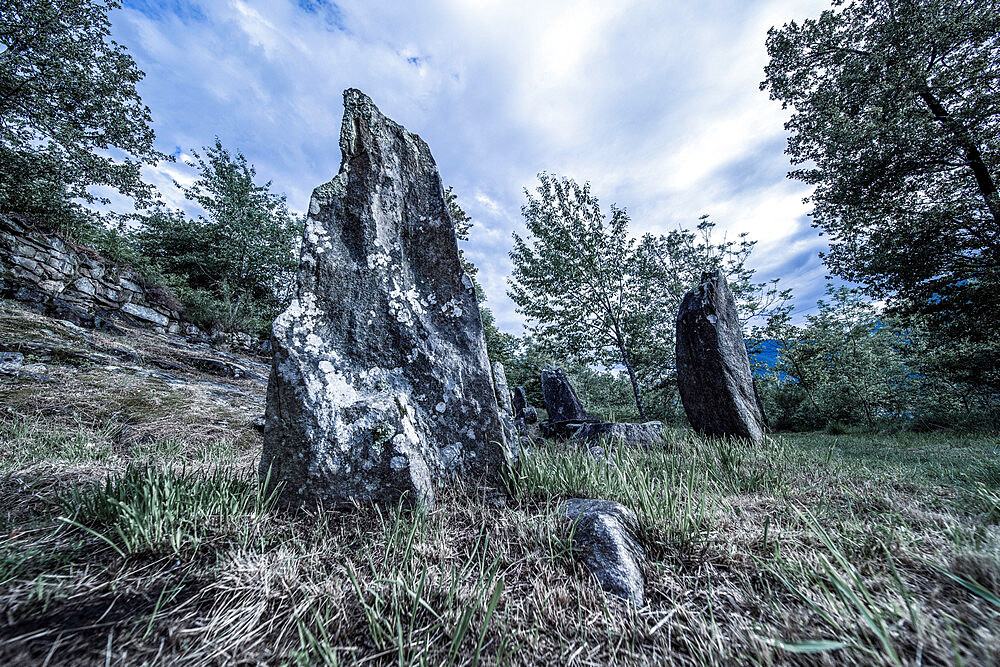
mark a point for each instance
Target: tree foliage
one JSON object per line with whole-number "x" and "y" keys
{"x": 851, "y": 364}
{"x": 896, "y": 122}
{"x": 594, "y": 294}
{"x": 70, "y": 115}
{"x": 233, "y": 264}
{"x": 575, "y": 277}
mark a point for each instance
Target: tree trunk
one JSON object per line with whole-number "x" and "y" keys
{"x": 973, "y": 156}
{"x": 627, "y": 361}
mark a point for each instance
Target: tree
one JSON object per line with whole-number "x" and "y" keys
{"x": 237, "y": 259}
{"x": 574, "y": 278}
{"x": 896, "y": 122}
{"x": 70, "y": 115}
{"x": 846, "y": 363}
{"x": 594, "y": 295}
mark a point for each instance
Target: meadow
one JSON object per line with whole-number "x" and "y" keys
{"x": 813, "y": 549}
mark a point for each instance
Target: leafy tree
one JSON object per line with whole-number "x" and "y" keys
{"x": 596, "y": 295}
{"x": 574, "y": 277}
{"x": 846, "y": 363}
{"x": 236, "y": 261}
{"x": 70, "y": 115}
{"x": 896, "y": 122}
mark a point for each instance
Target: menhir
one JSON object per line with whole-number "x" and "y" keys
{"x": 380, "y": 385}
{"x": 713, "y": 369}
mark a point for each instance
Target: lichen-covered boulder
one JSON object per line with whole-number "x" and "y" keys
{"x": 380, "y": 385}
{"x": 713, "y": 369}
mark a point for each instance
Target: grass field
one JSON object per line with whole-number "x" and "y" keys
{"x": 812, "y": 549}
{"x": 133, "y": 531}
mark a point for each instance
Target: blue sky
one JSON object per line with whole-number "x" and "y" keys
{"x": 655, "y": 103}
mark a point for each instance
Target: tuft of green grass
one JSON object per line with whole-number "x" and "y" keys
{"x": 150, "y": 508}
{"x": 667, "y": 492}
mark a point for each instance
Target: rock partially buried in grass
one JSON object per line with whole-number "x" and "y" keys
{"x": 649, "y": 434}
{"x": 713, "y": 369}
{"x": 605, "y": 540}
{"x": 380, "y": 385}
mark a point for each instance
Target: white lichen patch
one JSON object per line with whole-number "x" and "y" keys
{"x": 404, "y": 306}
{"x": 317, "y": 235}
{"x": 453, "y": 308}
{"x": 378, "y": 260}
{"x": 441, "y": 407}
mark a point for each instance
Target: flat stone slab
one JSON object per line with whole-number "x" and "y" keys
{"x": 613, "y": 434}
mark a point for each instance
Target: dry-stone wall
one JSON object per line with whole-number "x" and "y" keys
{"x": 30, "y": 258}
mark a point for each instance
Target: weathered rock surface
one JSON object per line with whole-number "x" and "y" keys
{"x": 380, "y": 385}
{"x": 713, "y": 369}
{"x": 501, "y": 388}
{"x": 605, "y": 538}
{"x": 502, "y": 393}
{"x": 612, "y": 434}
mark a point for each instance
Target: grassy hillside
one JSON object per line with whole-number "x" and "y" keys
{"x": 132, "y": 531}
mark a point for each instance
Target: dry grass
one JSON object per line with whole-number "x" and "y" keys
{"x": 814, "y": 549}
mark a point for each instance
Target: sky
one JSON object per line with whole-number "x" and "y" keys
{"x": 656, "y": 103}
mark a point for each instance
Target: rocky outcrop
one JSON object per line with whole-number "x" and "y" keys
{"x": 713, "y": 369}
{"x": 612, "y": 434}
{"x": 380, "y": 385}
{"x": 74, "y": 283}
{"x": 604, "y": 537}
{"x": 69, "y": 282}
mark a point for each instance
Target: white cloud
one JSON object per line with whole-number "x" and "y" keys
{"x": 657, "y": 104}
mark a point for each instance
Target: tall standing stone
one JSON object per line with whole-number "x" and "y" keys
{"x": 713, "y": 369}
{"x": 380, "y": 385}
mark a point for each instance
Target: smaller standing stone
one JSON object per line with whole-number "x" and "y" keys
{"x": 523, "y": 411}
{"x": 520, "y": 402}
{"x": 561, "y": 401}
{"x": 606, "y": 543}
{"x": 501, "y": 388}
{"x": 713, "y": 369}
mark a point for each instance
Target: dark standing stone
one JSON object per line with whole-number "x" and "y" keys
{"x": 561, "y": 401}
{"x": 605, "y": 541}
{"x": 520, "y": 402}
{"x": 713, "y": 370}
{"x": 530, "y": 415}
{"x": 380, "y": 385}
